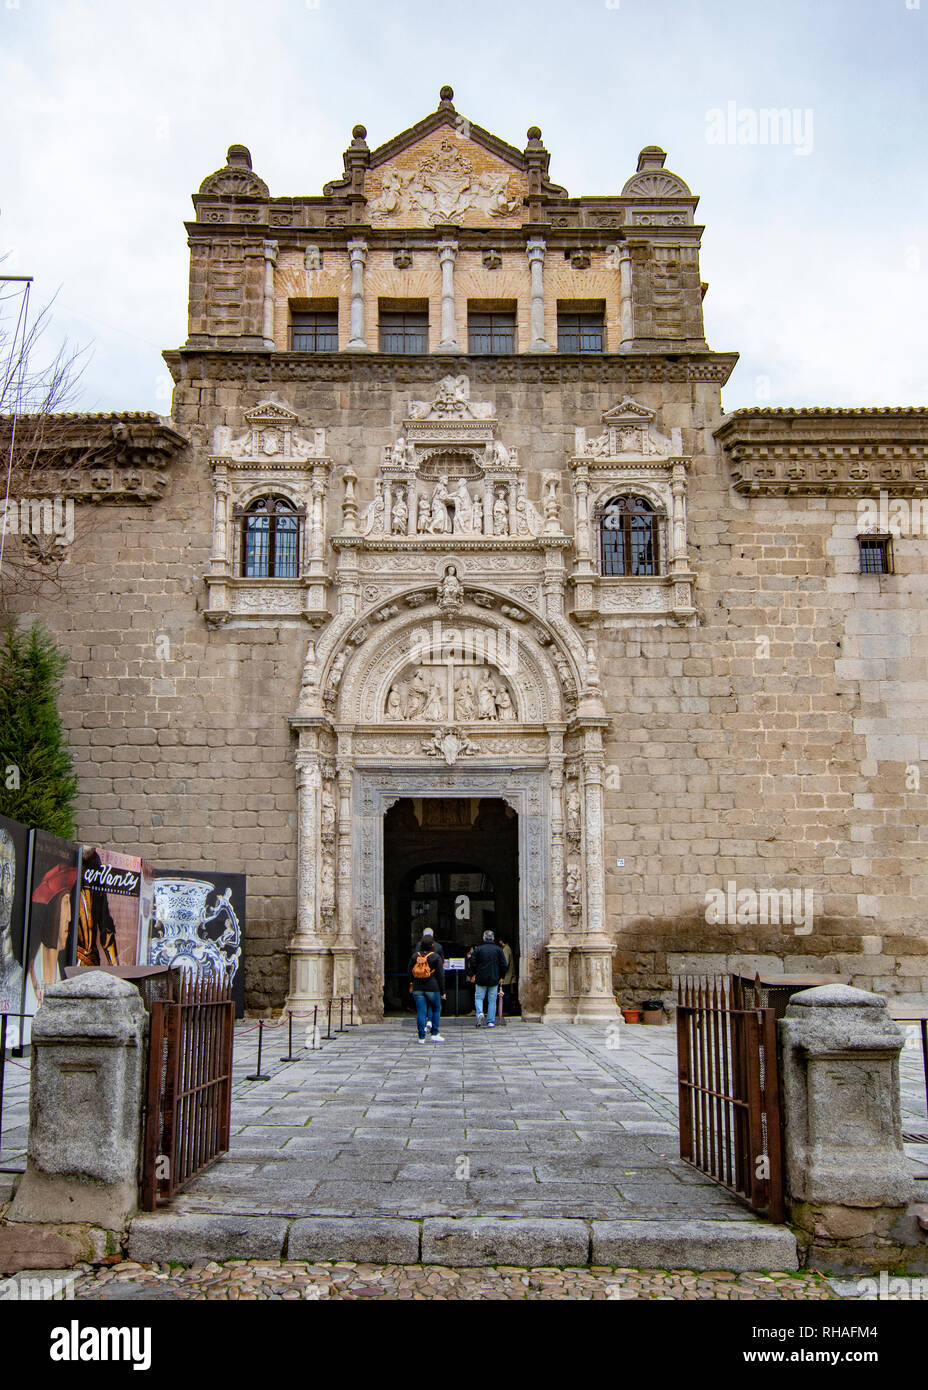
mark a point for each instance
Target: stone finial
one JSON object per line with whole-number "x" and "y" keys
{"x": 359, "y": 136}
{"x": 651, "y": 157}
{"x": 446, "y": 96}
{"x": 238, "y": 157}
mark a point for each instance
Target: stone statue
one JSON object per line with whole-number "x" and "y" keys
{"x": 486, "y": 698}
{"x": 416, "y": 695}
{"x": 500, "y": 515}
{"x": 439, "y": 519}
{"x": 573, "y": 810}
{"x": 574, "y": 887}
{"x": 504, "y": 707}
{"x": 434, "y": 705}
{"x": 465, "y": 707}
{"x": 450, "y": 590}
{"x": 423, "y": 515}
{"x": 400, "y": 515}
{"x": 328, "y": 815}
{"x": 394, "y": 707}
{"x": 399, "y": 452}
{"x": 463, "y": 510}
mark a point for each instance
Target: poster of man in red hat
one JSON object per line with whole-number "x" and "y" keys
{"x": 53, "y": 904}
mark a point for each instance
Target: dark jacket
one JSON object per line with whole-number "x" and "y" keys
{"x": 439, "y": 949}
{"x": 487, "y": 964}
{"x": 436, "y": 980}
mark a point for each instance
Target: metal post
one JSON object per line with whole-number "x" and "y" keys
{"x": 289, "y": 1057}
{"x": 257, "y": 1075}
{"x": 328, "y": 1025}
{"x": 341, "y": 1015}
{"x": 351, "y": 1011}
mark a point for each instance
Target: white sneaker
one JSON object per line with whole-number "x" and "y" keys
{"x": 480, "y": 1020}
{"x": 437, "y": 1037}
{"x": 491, "y": 1025}
{"x": 428, "y": 1027}
{"x": 420, "y": 1040}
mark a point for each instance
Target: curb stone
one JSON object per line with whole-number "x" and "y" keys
{"x": 481, "y": 1241}
{"x": 365, "y": 1240}
{"x": 162, "y": 1237}
{"x": 741, "y": 1246}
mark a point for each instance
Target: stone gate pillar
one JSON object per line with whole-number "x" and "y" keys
{"x": 85, "y": 1104}
{"x": 848, "y": 1182}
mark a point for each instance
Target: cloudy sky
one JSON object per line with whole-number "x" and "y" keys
{"x": 815, "y": 248}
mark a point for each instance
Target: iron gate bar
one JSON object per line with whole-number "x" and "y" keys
{"x": 189, "y": 1091}
{"x": 729, "y": 1097}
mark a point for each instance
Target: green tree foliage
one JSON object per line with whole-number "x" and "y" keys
{"x": 37, "y": 781}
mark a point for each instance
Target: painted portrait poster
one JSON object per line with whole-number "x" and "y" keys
{"x": 115, "y": 909}
{"x": 50, "y": 935}
{"x": 199, "y": 926}
{"x": 14, "y": 870}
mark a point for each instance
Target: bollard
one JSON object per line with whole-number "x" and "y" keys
{"x": 328, "y": 1025}
{"x": 289, "y": 1057}
{"x": 341, "y": 1015}
{"x": 87, "y": 1093}
{"x": 257, "y": 1075}
{"x": 351, "y": 1011}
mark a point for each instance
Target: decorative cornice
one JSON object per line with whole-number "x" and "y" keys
{"x": 118, "y": 457}
{"x": 616, "y": 369}
{"x": 823, "y": 451}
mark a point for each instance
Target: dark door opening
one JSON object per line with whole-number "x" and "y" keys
{"x": 450, "y": 864}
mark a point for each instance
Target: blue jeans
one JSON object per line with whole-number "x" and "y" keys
{"x": 480, "y": 1000}
{"x": 428, "y": 1004}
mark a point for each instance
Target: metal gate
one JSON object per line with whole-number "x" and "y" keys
{"x": 729, "y": 1093}
{"x": 189, "y": 1092}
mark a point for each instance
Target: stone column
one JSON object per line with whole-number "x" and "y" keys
{"x": 85, "y": 1105}
{"x": 626, "y": 311}
{"x": 344, "y": 950}
{"x": 309, "y": 957}
{"x": 535, "y": 250}
{"x": 848, "y": 1181}
{"x": 447, "y": 250}
{"x": 357, "y": 250}
{"x": 596, "y": 947}
{"x": 270, "y": 260}
{"x": 558, "y": 1005}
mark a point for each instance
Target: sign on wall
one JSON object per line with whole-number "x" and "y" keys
{"x": 199, "y": 926}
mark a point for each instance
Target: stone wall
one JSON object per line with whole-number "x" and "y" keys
{"x": 724, "y": 763}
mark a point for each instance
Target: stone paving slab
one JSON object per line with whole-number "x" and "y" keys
{"x": 735, "y": 1245}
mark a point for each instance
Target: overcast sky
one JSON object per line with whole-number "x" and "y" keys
{"x": 815, "y": 250}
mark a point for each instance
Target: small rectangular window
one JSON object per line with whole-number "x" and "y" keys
{"x": 491, "y": 331}
{"x": 314, "y": 331}
{"x": 580, "y": 331}
{"x": 876, "y": 554}
{"x": 404, "y": 331}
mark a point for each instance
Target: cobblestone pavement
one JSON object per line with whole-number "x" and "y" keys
{"x": 269, "y": 1279}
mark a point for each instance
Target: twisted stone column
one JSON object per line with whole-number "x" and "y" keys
{"x": 535, "y": 250}
{"x": 357, "y": 250}
{"x": 447, "y": 250}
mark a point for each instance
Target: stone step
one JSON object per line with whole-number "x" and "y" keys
{"x": 467, "y": 1242}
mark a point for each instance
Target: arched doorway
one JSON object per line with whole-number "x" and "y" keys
{"x": 450, "y": 864}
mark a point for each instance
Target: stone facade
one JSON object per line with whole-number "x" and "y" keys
{"x": 747, "y": 717}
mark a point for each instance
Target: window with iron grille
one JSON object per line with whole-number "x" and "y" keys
{"x": 580, "y": 332}
{"x": 493, "y": 331}
{"x": 404, "y": 331}
{"x": 630, "y": 535}
{"x": 876, "y": 554}
{"x": 271, "y": 540}
{"x": 316, "y": 331}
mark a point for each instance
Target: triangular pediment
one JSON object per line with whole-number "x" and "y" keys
{"x": 628, "y": 412}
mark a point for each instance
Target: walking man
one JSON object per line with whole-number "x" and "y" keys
{"x": 488, "y": 965}
{"x": 427, "y": 984}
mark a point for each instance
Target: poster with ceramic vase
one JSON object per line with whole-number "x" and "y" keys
{"x": 199, "y": 926}
{"x": 53, "y": 910}
{"x": 116, "y": 901}
{"x": 14, "y": 880}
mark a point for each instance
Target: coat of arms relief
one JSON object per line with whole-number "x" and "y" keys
{"x": 445, "y": 187}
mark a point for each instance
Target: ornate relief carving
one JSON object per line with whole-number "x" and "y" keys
{"x": 449, "y": 744}
{"x": 444, "y": 187}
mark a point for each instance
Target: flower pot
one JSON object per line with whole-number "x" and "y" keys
{"x": 631, "y": 1015}
{"x": 652, "y": 1016}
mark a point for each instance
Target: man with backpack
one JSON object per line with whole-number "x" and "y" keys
{"x": 488, "y": 966}
{"x": 427, "y": 984}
